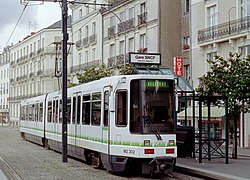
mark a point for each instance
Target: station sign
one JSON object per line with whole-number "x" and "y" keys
{"x": 145, "y": 58}
{"x": 178, "y": 66}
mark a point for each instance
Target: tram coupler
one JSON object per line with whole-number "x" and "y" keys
{"x": 161, "y": 165}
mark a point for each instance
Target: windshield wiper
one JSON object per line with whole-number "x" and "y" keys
{"x": 147, "y": 119}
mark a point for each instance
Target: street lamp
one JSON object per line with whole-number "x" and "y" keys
{"x": 229, "y": 13}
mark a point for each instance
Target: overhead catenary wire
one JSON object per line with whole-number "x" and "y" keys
{"x": 25, "y": 6}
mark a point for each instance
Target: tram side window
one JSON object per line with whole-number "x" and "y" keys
{"x": 26, "y": 113}
{"x": 121, "y": 117}
{"x": 22, "y": 113}
{"x": 69, "y": 110}
{"x": 60, "y": 111}
{"x": 49, "y": 116}
{"x": 86, "y": 110}
{"x": 31, "y": 113}
{"x": 106, "y": 108}
{"x": 96, "y": 109}
{"x": 40, "y": 112}
{"x": 36, "y": 111}
{"x": 73, "y": 110}
{"x": 78, "y": 109}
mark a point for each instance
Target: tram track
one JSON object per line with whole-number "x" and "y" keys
{"x": 12, "y": 172}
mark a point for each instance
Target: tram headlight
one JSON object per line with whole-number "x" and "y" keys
{"x": 171, "y": 142}
{"x": 146, "y": 142}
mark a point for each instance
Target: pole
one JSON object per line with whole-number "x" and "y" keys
{"x": 64, "y": 81}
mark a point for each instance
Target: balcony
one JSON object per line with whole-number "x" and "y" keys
{"x": 125, "y": 26}
{"x": 111, "y": 62}
{"x": 85, "y": 41}
{"x": 78, "y": 44}
{"x": 111, "y": 31}
{"x": 84, "y": 66}
{"x": 93, "y": 39}
{"x": 142, "y": 19}
{"x": 224, "y": 30}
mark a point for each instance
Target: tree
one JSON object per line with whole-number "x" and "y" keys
{"x": 94, "y": 73}
{"x": 231, "y": 78}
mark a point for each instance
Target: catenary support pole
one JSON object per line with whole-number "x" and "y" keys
{"x": 64, "y": 81}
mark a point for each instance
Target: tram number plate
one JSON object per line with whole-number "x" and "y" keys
{"x": 128, "y": 151}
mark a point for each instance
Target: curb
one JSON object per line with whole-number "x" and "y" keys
{"x": 205, "y": 173}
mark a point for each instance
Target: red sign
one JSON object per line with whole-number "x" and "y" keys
{"x": 178, "y": 66}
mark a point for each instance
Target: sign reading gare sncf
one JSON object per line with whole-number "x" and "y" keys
{"x": 178, "y": 66}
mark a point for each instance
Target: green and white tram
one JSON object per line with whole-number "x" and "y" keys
{"x": 119, "y": 122}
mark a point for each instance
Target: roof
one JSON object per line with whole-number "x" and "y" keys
{"x": 182, "y": 84}
{"x": 58, "y": 24}
{"x": 215, "y": 112}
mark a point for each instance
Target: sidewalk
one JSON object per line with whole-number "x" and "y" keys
{"x": 216, "y": 168}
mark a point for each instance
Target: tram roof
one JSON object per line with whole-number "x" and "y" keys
{"x": 182, "y": 84}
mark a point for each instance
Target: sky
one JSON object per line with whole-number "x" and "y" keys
{"x": 35, "y": 17}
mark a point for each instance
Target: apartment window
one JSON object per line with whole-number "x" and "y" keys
{"x": 244, "y": 50}
{"x": 131, "y": 13}
{"x": 186, "y": 6}
{"x": 187, "y": 72}
{"x": 143, "y": 8}
{"x": 112, "y": 21}
{"x": 112, "y": 50}
{"x": 131, "y": 45}
{"x": 122, "y": 16}
{"x": 79, "y": 34}
{"x": 142, "y": 41}
{"x": 86, "y": 31}
{"x": 121, "y": 50}
{"x": 210, "y": 56}
{"x": 94, "y": 28}
{"x": 79, "y": 58}
{"x": 93, "y": 54}
{"x": 186, "y": 43}
{"x": 86, "y": 56}
{"x": 212, "y": 16}
{"x": 245, "y": 8}
{"x": 87, "y": 9}
{"x": 80, "y": 13}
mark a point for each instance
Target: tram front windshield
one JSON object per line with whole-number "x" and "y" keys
{"x": 151, "y": 106}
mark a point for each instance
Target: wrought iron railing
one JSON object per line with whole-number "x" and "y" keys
{"x": 224, "y": 30}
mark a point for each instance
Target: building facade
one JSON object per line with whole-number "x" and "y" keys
{"x": 4, "y": 85}
{"x": 218, "y": 28}
{"x": 35, "y": 67}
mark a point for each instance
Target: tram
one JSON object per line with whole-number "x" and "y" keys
{"x": 118, "y": 123}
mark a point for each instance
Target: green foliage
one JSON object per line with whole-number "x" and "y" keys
{"x": 127, "y": 70}
{"x": 229, "y": 77}
{"x": 94, "y": 73}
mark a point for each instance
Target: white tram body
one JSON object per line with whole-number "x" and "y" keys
{"x": 117, "y": 122}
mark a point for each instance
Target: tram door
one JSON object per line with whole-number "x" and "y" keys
{"x": 105, "y": 118}
{"x": 76, "y": 109}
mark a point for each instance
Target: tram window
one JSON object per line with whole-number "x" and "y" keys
{"x": 74, "y": 110}
{"x": 78, "y": 109}
{"x": 22, "y": 112}
{"x": 106, "y": 108}
{"x": 31, "y": 113}
{"x": 40, "y": 112}
{"x": 60, "y": 111}
{"x": 69, "y": 110}
{"x": 56, "y": 111}
{"x": 26, "y": 110}
{"x": 96, "y": 109}
{"x": 49, "y": 111}
{"x": 86, "y": 109}
{"x": 121, "y": 117}
{"x": 36, "y": 111}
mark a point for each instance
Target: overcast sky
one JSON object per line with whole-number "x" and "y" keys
{"x": 35, "y": 18}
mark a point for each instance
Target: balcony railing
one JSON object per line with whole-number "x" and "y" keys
{"x": 84, "y": 66}
{"x": 111, "y": 62}
{"x": 85, "y": 41}
{"x": 142, "y": 19}
{"x": 78, "y": 44}
{"x": 111, "y": 31}
{"x": 125, "y": 26}
{"x": 224, "y": 30}
{"x": 93, "y": 39}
